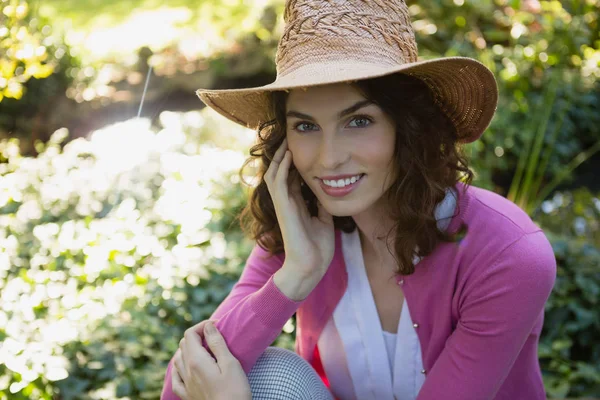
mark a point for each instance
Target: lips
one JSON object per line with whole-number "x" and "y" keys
{"x": 338, "y": 177}
{"x": 344, "y": 179}
{"x": 341, "y": 191}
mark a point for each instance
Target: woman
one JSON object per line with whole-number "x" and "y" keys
{"x": 407, "y": 282}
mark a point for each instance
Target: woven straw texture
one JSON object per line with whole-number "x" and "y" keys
{"x": 333, "y": 41}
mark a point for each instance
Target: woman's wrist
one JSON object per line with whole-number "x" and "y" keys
{"x": 294, "y": 285}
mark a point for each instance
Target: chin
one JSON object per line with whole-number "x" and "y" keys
{"x": 343, "y": 210}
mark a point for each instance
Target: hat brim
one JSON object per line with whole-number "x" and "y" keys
{"x": 464, "y": 89}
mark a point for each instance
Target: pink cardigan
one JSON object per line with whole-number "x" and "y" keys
{"x": 479, "y": 305}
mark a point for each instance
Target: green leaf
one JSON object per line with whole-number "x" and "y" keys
{"x": 124, "y": 388}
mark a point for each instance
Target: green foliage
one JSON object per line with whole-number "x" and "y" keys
{"x": 27, "y": 49}
{"x": 109, "y": 249}
{"x": 222, "y": 15}
{"x": 569, "y": 350}
{"x": 573, "y": 214}
{"x": 538, "y": 136}
{"x": 546, "y": 58}
{"x": 36, "y": 69}
{"x": 96, "y": 62}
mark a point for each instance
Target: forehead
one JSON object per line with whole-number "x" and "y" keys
{"x": 316, "y": 97}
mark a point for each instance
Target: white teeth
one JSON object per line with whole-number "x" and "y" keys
{"x": 342, "y": 182}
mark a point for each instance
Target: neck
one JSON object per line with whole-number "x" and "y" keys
{"x": 373, "y": 227}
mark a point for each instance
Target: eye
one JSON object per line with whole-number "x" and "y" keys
{"x": 363, "y": 121}
{"x": 301, "y": 126}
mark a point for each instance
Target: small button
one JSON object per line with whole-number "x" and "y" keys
{"x": 424, "y": 371}
{"x": 401, "y": 282}
{"x": 415, "y": 325}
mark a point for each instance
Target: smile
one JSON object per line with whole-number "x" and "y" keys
{"x": 342, "y": 186}
{"x": 342, "y": 182}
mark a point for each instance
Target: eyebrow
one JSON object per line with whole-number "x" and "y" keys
{"x": 341, "y": 114}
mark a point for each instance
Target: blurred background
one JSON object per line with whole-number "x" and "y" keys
{"x": 117, "y": 221}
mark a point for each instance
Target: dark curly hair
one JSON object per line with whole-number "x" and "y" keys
{"x": 428, "y": 160}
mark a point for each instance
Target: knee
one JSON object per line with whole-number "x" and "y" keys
{"x": 283, "y": 374}
{"x": 283, "y": 363}
{"x": 283, "y": 358}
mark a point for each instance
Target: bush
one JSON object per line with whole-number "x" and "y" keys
{"x": 569, "y": 349}
{"x": 546, "y": 58}
{"x": 109, "y": 250}
{"x": 36, "y": 67}
{"x": 111, "y": 247}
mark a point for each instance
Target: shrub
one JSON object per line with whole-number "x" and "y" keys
{"x": 109, "y": 249}
{"x": 569, "y": 349}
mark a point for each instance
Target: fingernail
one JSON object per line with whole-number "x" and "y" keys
{"x": 210, "y": 329}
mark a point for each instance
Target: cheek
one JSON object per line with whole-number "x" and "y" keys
{"x": 301, "y": 154}
{"x": 376, "y": 151}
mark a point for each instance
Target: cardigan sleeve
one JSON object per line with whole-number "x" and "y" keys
{"x": 500, "y": 307}
{"x": 252, "y": 315}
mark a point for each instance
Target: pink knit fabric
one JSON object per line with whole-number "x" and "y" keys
{"x": 479, "y": 305}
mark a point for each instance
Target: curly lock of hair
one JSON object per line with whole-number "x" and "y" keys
{"x": 428, "y": 159}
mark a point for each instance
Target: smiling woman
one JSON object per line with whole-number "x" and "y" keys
{"x": 407, "y": 281}
{"x": 320, "y": 152}
{"x": 402, "y": 133}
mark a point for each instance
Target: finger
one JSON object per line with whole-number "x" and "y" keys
{"x": 181, "y": 351}
{"x": 296, "y": 194}
{"x": 274, "y": 165}
{"x": 179, "y": 366}
{"x": 199, "y": 327}
{"x": 217, "y": 345}
{"x": 294, "y": 180}
{"x": 199, "y": 361}
{"x": 283, "y": 172}
{"x": 178, "y": 385}
{"x": 280, "y": 151}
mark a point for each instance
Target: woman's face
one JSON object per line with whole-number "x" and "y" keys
{"x": 333, "y": 131}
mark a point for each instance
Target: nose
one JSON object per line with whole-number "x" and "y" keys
{"x": 332, "y": 153}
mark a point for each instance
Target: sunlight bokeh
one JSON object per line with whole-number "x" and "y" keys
{"x": 145, "y": 183}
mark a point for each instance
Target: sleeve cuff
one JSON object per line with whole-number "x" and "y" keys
{"x": 272, "y": 307}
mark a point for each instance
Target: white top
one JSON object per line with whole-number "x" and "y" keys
{"x": 390, "y": 345}
{"x": 358, "y": 357}
{"x": 361, "y": 360}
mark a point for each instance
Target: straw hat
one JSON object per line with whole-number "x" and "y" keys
{"x": 332, "y": 41}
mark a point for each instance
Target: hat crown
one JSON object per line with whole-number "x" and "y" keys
{"x": 366, "y": 31}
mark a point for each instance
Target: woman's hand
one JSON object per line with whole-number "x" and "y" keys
{"x": 309, "y": 242}
{"x": 197, "y": 376}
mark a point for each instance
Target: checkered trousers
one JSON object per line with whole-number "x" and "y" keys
{"x": 281, "y": 374}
